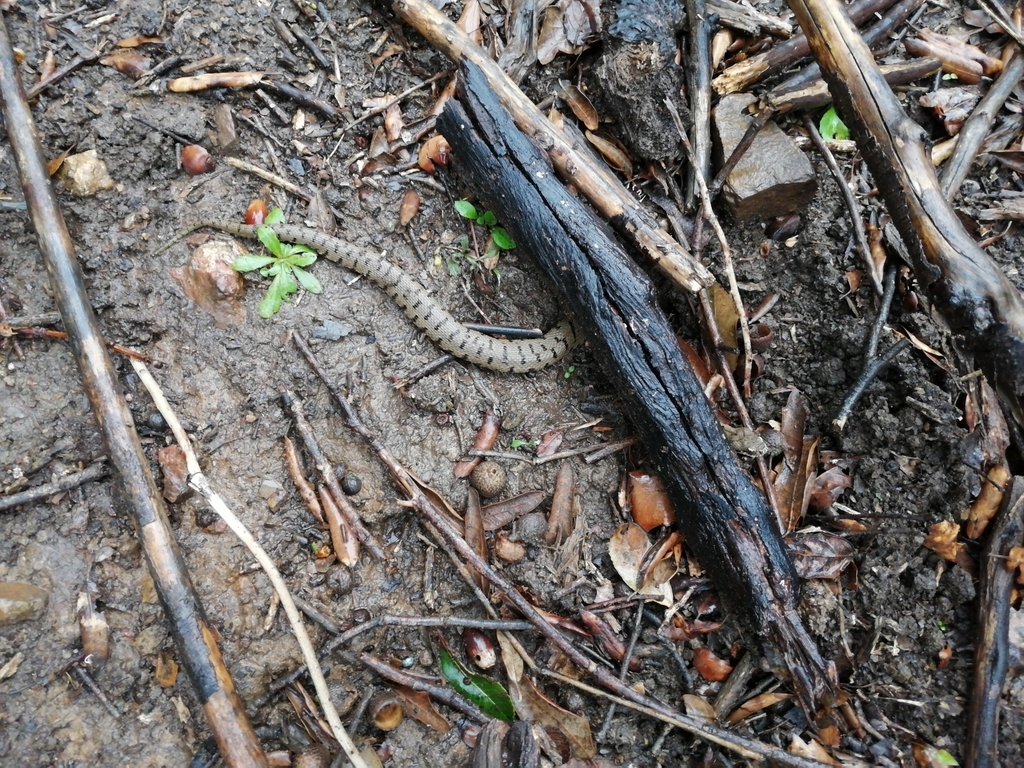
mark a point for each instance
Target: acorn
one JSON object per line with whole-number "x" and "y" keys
{"x": 386, "y": 711}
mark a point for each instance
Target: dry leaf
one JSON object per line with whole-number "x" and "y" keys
{"x": 409, "y": 208}
{"x": 419, "y": 707}
{"x": 394, "y": 123}
{"x": 473, "y": 532}
{"x": 471, "y": 20}
{"x": 811, "y": 749}
{"x": 580, "y": 105}
{"x": 818, "y": 554}
{"x": 501, "y": 513}
{"x": 1015, "y": 562}
{"x": 699, "y": 707}
{"x": 627, "y": 548}
{"x": 166, "y": 671}
{"x": 709, "y": 666}
{"x": 827, "y": 487}
{"x": 612, "y": 152}
{"x": 649, "y": 501}
{"x": 136, "y": 40}
{"x": 942, "y": 540}
{"x": 536, "y": 708}
{"x": 984, "y": 508}
{"x": 756, "y": 704}
{"x": 128, "y": 62}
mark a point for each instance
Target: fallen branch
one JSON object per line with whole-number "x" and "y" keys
{"x": 724, "y": 516}
{"x": 66, "y": 483}
{"x": 964, "y": 284}
{"x": 192, "y": 633}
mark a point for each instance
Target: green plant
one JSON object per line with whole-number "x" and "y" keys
{"x": 498, "y": 240}
{"x": 832, "y": 127}
{"x": 286, "y": 263}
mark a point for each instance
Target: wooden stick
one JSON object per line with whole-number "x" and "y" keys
{"x": 978, "y": 302}
{"x": 740, "y": 76}
{"x": 192, "y": 633}
{"x": 599, "y": 184}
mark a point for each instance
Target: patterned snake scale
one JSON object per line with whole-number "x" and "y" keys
{"x": 516, "y": 356}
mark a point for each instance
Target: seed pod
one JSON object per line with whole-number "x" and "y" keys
{"x": 386, "y": 711}
{"x": 489, "y": 478}
{"x": 94, "y": 631}
{"x": 479, "y": 647}
{"x": 196, "y": 160}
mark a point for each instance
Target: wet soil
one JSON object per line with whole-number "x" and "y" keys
{"x": 894, "y": 611}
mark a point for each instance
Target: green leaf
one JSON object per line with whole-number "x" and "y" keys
{"x": 298, "y": 258}
{"x": 272, "y": 301}
{"x": 454, "y": 269}
{"x": 503, "y": 239}
{"x": 832, "y": 128}
{"x": 251, "y": 262}
{"x": 466, "y": 209}
{"x": 276, "y": 216}
{"x": 942, "y": 757}
{"x": 490, "y": 696}
{"x": 269, "y": 238}
{"x": 488, "y": 219}
{"x": 307, "y": 280}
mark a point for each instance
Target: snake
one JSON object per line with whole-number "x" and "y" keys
{"x": 507, "y": 356}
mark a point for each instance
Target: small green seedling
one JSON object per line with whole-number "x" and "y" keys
{"x": 498, "y": 240}
{"x": 832, "y": 127}
{"x": 569, "y": 372}
{"x": 286, "y": 264}
{"x": 519, "y": 444}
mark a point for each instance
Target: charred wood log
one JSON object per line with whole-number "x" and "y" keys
{"x": 978, "y": 302}
{"x": 638, "y": 71}
{"x": 725, "y": 518}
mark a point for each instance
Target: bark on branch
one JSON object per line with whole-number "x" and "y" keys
{"x": 726, "y": 519}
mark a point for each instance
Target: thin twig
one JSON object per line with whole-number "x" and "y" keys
{"x": 856, "y": 220}
{"x": 66, "y": 483}
{"x": 723, "y": 242}
{"x": 427, "y": 621}
{"x": 197, "y": 480}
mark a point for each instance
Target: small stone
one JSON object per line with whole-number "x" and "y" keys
{"x": 331, "y": 330}
{"x": 269, "y": 487}
{"x": 351, "y": 484}
{"x": 488, "y": 478}
{"x": 175, "y": 473}
{"x": 21, "y": 601}
{"x": 210, "y": 282}
{"x": 773, "y": 178}
{"x": 85, "y": 174}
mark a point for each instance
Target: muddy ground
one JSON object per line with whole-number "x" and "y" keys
{"x": 898, "y": 607}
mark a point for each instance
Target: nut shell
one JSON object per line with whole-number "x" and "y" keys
{"x": 489, "y": 478}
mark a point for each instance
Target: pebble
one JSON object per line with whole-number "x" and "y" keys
{"x": 21, "y": 601}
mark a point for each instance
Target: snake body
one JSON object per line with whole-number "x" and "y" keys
{"x": 515, "y": 356}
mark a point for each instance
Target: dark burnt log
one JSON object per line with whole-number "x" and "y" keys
{"x": 726, "y": 519}
{"x": 980, "y": 305}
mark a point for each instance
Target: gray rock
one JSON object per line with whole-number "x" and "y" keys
{"x": 773, "y": 178}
